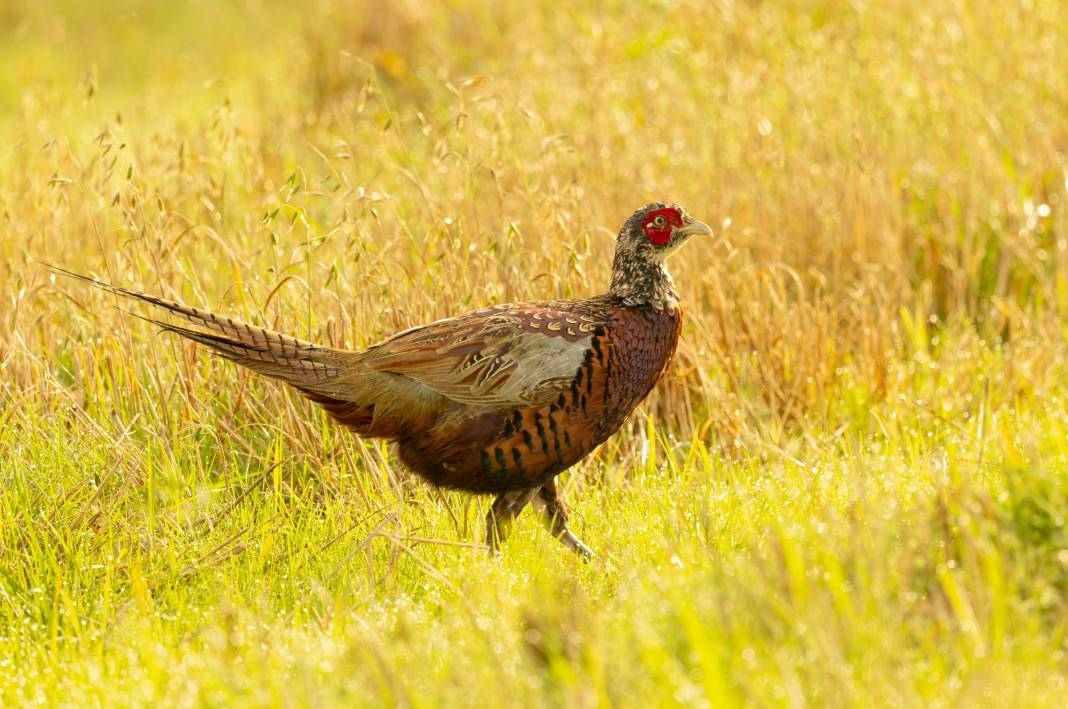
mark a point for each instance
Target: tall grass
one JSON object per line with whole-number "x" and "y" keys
{"x": 851, "y": 489}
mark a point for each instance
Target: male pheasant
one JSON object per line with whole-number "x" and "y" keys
{"x": 500, "y": 400}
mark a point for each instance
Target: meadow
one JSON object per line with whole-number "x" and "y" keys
{"x": 850, "y": 489}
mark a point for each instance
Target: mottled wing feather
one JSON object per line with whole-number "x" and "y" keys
{"x": 516, "y": 354}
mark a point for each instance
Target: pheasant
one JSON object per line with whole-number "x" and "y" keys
{"x": 500, "y": 400}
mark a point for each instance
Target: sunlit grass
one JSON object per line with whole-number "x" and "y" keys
{"x": 851, "y": 489}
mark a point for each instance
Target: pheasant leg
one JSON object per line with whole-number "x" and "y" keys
{"x": 556, "y": 521}
{"x": 504, "y": 511}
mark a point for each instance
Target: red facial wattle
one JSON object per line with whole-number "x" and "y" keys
{"x": 660, "y": 234}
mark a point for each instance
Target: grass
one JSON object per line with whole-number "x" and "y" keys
{"x": 851, "y": 489}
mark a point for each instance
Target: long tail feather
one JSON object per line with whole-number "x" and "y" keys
{"x": 262, "y": 360}
{"x": 305, "y": 365}
{"x": 230, "y": 327}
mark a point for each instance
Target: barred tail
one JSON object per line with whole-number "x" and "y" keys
{"x": 307, "y": 366}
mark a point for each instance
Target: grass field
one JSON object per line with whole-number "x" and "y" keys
{"x": 850, "y": 490}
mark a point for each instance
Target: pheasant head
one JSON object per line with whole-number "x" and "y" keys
{"x": 647, "y": 238}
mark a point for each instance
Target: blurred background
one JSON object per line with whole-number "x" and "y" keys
{"x": 887, "y": 290}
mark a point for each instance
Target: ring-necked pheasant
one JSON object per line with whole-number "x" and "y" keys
{"x": 501, "y": 400}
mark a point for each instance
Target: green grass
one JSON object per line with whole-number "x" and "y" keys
{"x": 851, "y": 489}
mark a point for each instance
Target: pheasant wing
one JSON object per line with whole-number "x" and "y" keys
{"x": 524, "y": 353}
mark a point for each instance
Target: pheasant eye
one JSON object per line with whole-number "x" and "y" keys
{"x": 660, "y": 221}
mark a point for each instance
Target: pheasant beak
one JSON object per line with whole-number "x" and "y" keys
{"x": 694, "y": 228}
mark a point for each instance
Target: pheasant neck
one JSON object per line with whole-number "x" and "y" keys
{"x": 643, "y": 283}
